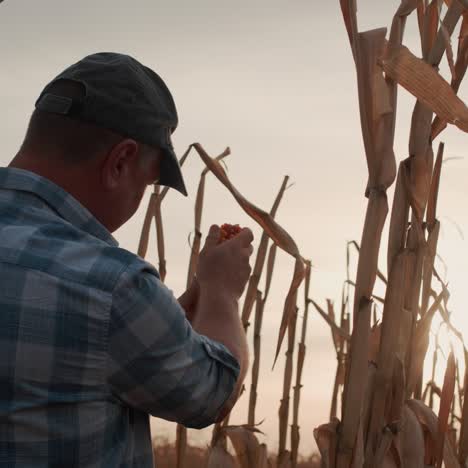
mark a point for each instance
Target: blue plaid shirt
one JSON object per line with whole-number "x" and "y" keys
{"x": 91, "y": 342}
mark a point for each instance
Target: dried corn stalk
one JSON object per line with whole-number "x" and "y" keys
{"x": 295, "y": 435}
{"x": 373, "y": 406}
{"x": 284, "y": 405}
{"x": 156, "y": 199}
{"x": 260, "y": 261}
{"x": 181, "y": 432}
{"x": 260, "y": 306}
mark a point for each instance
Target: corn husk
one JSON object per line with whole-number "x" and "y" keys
{"x": 421, "y": 80}
{"x": 429, "y": 422}
{"x": 327, "y": 439}
{"x": 245, "y": 444}
{"x": 219, "y": 457}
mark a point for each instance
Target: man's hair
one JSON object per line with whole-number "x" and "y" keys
{"x": 71, "y": 140}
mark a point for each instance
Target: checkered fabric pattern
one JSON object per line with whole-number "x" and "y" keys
{"x": 91, "y": 342}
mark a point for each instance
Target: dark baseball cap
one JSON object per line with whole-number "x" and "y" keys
{"x": 123, "y": 96}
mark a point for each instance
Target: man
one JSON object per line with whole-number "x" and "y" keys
{"x": 91, "y": 342}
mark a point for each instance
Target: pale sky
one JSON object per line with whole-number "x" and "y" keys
{"x": 275, "y": 81}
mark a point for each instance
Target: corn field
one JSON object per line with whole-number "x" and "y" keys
{"x": 383, "y": 412}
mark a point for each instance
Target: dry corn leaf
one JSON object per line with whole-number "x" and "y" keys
{"x": 260, "y": 261}
{"x": 349, "y": 10}
{"x": 245, "y": 444}
{"x": 449, "y": 51}
{"x": 421, "y": 10}
{"x": 421, "y": 80}
{"x": 333, "y": 325}
{"x": 412, "y": 441}
{"x": 220, "y": 458}
{"x": 326, "y": 438}
{"x": 376, "y": 110}
{"x": 429, "y": 422}
{"x": 431, "y": 26}
{"x": 434, "y": 191}
{"x": 417, "y": 182}
{"x": 273, "y": 229}
{"x": 444, "y": 410}
{"x": 452, "y": 16}
{"x": 461, "y": 65}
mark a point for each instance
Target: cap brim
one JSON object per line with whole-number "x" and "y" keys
{"x": 170, "y": 172}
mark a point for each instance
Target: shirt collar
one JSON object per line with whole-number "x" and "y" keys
{"x": 62, "y": 202}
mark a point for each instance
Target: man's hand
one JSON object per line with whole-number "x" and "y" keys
{"x": 225, "y": 266}
{"x": 223, "y": 271}
{"x": 189, "y": 300}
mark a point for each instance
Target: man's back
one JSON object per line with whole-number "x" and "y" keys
{"x": 78, "y": 376}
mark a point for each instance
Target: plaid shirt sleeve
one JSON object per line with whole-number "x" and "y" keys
{"x": 158, "y": 363}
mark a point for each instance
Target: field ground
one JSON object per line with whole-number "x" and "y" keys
{"x": 164, "y": 455}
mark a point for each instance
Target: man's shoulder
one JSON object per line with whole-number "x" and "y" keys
{"x": 60, "y": 249}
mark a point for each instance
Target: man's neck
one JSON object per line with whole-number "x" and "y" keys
{"x": 80, "y": 182}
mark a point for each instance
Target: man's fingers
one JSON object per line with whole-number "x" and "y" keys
{"x": 248, "y": 250}
{"x": 245, "y": 237}
{"x": 213, "y": 235}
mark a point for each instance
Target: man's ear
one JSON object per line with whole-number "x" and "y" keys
{"x": 118, "y": 163}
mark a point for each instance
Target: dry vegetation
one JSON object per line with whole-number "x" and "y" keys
{"x": 197, "y": 457}
{"x": 382, "y": 412}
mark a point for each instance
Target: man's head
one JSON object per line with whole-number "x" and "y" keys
{"x": 101, "y": 130}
